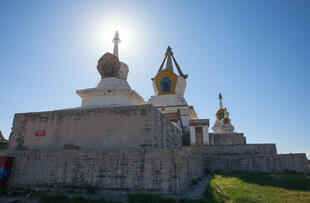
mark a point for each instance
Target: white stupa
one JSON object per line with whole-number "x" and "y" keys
{"x": 169, "y": 91}
{"x": 222, "y": 124}
{"x": 113, "y": 88}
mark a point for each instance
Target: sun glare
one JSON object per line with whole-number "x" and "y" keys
{"x": 105, "y": 31}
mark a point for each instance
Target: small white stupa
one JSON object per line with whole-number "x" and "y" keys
{"x": 113, "y": 88}
{"x": 222, "y": 124}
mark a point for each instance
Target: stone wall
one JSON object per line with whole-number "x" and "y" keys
{"x": 227, "y": 139}
{"x": 141, "y": 126}
{"x": 248, "y": 149}
{"x": 249, "y": 157}
{"x": 277, "y": 163}
{"x": 156, "y": 170}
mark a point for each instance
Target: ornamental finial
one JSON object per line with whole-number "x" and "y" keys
{"x": 169, "y": 51}
{"x": 168, "y": 56}
{"x": 116, "y": 41}
{"x": 221, "y": 103}
{"x": 220, "y": 96}
{"x": 169, "y": 61}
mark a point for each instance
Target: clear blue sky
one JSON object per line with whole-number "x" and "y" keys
{"x": 257, "y": 53}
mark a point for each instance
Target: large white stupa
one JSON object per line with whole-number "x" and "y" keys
{"x": 113, "y": 88}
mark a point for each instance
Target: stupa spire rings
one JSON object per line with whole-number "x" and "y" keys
{"x": 220, "y": 96}
{"x": 116, "y": 40}
{"x": 169, "y": 61}
{"x": 221, "y": 103}
{"x": 169, "y": 66}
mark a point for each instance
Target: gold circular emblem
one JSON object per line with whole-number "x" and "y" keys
{"x": 226, "y": 121}
{"x": 166, "y": 81}
{"x": 220, "y": 114}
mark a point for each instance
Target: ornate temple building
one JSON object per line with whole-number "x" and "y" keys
{"x": 169, "y": 99}
{"x": 3, "y": 141}
{"x": 117, "y": 141}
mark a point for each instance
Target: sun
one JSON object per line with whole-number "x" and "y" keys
{"x": 105, "y": 31}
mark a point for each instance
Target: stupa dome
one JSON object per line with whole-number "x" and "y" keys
{"x": 123, "y": 71}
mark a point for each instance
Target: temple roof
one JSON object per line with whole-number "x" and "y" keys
{"x": 2, "y": 139}
{"x": 169, "y": 66}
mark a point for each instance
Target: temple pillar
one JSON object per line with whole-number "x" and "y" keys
{"x": 205, "y": 131}
{"x": 192, "y": 135}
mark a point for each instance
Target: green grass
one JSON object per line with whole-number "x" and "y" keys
{"x": 253, "y": 187}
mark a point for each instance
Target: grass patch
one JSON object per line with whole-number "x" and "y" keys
{"x": 259, "y": 187}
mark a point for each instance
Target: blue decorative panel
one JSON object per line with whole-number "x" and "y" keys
{"x": 165, "y": 85}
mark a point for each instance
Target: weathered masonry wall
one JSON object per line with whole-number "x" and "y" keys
{"x": 141, "y": 126}
{"x": 277, "y": 163}
{"x": 249, "y": 157}
{"x": 227, "y": 139}
{"x": 248, "y": 149}
{"x": 157, "y": 170}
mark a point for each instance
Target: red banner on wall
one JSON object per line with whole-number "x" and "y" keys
{"x": 40, "y": 133}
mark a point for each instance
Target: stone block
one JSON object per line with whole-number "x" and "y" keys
{"x": 227, "y": 139}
